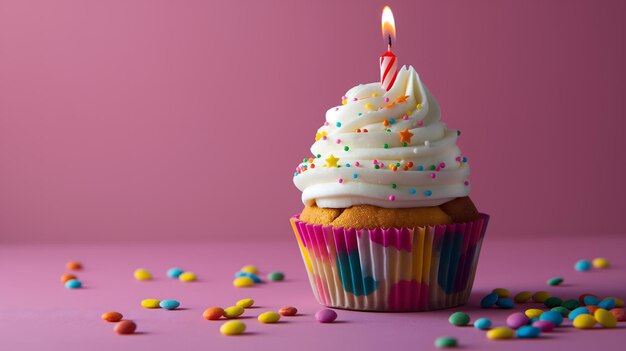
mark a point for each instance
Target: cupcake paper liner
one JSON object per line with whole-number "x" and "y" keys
{"x": 408, "y": 269}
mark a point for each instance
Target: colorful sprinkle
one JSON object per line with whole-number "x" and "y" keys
{"x": 392, "y": 198}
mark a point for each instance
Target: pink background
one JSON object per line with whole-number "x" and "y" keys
{"x": 185, "y": 119}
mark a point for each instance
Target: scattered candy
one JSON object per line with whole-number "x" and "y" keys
{"x": 541, "y": 296}
{"x": 502, "y": 292}
{"x": 570, "y": 304}
{"x": 552, "y": 316}
{"x": 150, "y": 303}
{"x": 505, "y": 303}
{"x": 562, "y": 310}
{"x": 74, "y": 266}
{"x": 249, "y": 269}
{"x": 174, "y": 272}
{"x": 243, "y": 282}
{"x": 533, "y": 312}
{"x": 276, "y": 276}
{"x": 528, "y": 332}
{"x": 552, "y": 301}
{"x": 522, "y": 297}
{"x": 489, "y": 300}
{"x": 605, "y": 318}
{"x": 288, "y": 311}
{"x": 582, "y": 265}
{"x": 555, "y": 281}
{"x": 213, "y": 313}
{"x": 112, "y": 316}
{"x": 459, "y": 319}
{"x": 600, "y": 262}
{"x": 66, "y": 277}
{"x": 576, "y": 312}
{"x": 619, "y": 314}
{"x": 169, "y": 304}
{"x": 482, "y": 323}
{"x": 446, "y": 342}
{"x": 233, "y": 328}
{"x": 592, "y": 309}
{"x": 607, "y": 304}
{"x": 618, "y": 302}
{"x": 188, "y": 277}
{"x": 254, "y": 277}
{"x": 544, "y": 326}
{"x": 73, "y": 284}
{"x": 581, "y": 298}
{"x": 245, "y": 303}
{"x": 142, "y": 274}
{"x": 500, "y": 333}
{"x": 269, "y": 317}
{"x": 584, "y": 321}
{"x": 125, "y": 327}
{"x": 591, "y": 300}
{"x": 233, "y": 312}
{"x": 517, "y": 320}
{"x": 326, "y": 316}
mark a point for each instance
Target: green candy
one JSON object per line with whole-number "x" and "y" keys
{"x": 571, "y": 304}
{"x": 562, "y": 310}
{"x": 445, "y": 342}
{"x": 459, "y": 319}
{"x": 276, "y": 276}
{"x": 555, "y": 281}
{"x": 552, "y": 302}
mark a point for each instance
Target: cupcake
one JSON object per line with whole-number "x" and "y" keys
{"x": 388, "y": 224}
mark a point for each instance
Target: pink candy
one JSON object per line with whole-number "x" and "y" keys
{"x": 516, "y": 320}
{"x": 326, "y": 316}
{"x": 545, "y": 326}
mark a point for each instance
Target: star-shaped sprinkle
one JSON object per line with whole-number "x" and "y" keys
{"x": 405, "y": 136}
{"x": 332, "y": 161}
{"x": 402, "y": 98}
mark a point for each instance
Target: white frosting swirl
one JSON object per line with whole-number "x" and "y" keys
{"x": 368, "y": 135}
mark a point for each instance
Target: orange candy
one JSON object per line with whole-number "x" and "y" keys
{"x": 288, "y": 311}
{"x": 112, "y": 316}
{"x": 125, "y": 327}
{"x": 592, "y": 309}
{"x": 619, "y": 314}
{"x": 213, "y": 313}
{"x": 66, "y": 277}
{"x": 74, "y": 266}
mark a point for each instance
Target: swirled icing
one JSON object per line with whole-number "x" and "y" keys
{"x": 384, "y": 148}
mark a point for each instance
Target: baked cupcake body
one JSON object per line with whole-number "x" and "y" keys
{"x": 388, "y": 224}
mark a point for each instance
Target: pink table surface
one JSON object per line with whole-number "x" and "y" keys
{"x": 38, "y": 313}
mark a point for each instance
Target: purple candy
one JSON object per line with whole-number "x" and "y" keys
{"x": 516, "y": 320}
{"x": 545, "y": 326}
{"x": 326, "y": 316}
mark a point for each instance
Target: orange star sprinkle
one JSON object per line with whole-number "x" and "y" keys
{"x": 402, "y": 98}
{"x": 405, "y": 136}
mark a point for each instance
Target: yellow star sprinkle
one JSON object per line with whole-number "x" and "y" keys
{"x": 319, "y": 136}
{"x": 402, "y": 98}
{"x": 332, "y": 161}
{"x": 405, "y": 136}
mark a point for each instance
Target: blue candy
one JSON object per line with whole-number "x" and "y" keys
{"x": 505, "y": 303}
{"x": 582, "y": 265}
{"x": 552, "y": 316}
{"x": 489, "y": 300}
{"x": 607, "y": 304}
{"x": 174, "y": 272}
{"x": 528, "y": 332}
{"x": 576, "y": 312}
{"x": 254, "y": 277}
{"x": 73, "y": 284}
{"x": 591, "y": 300}
{"x": 482, "y": 323}
{"x": 169, "y": 304}
{"x": 533, "y": 320}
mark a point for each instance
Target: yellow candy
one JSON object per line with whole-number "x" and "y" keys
{"x": 584, "y": 321}
{"x": 245, "y": 303}
{"x": 188, "y": 277}
{"x": 232, "y": 328}
{"x": 368, "y": 105}
{"x": 618, "y": 302}
{"x": 374, "y": 95}
{"x": 533, "y": 312}
{"x": 600, "y": 262}
{"x": 522, "y": 297}
{"x": 269, "y": 317}
{"x": 605, "y": 318}
{"x": 249, "y": 269}
{"x": 233, "y": 312}
{"x": 243, "y": 282}
{"x": 150, "y": 303}
{"x": 500, "y": 333}
{"x": 502, "y": 292}
{"x": 142, "y": 274}
{"x": 541, "y": 296}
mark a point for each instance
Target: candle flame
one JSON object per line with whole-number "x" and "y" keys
{"x": 388, "y": 26}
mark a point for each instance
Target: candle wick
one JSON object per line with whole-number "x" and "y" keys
{"x": 389, "y": 44}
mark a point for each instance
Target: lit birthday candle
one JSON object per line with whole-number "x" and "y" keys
{"x": 388, "y": 61}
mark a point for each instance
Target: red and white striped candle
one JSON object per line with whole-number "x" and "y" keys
{"x": 389, "y": 61}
